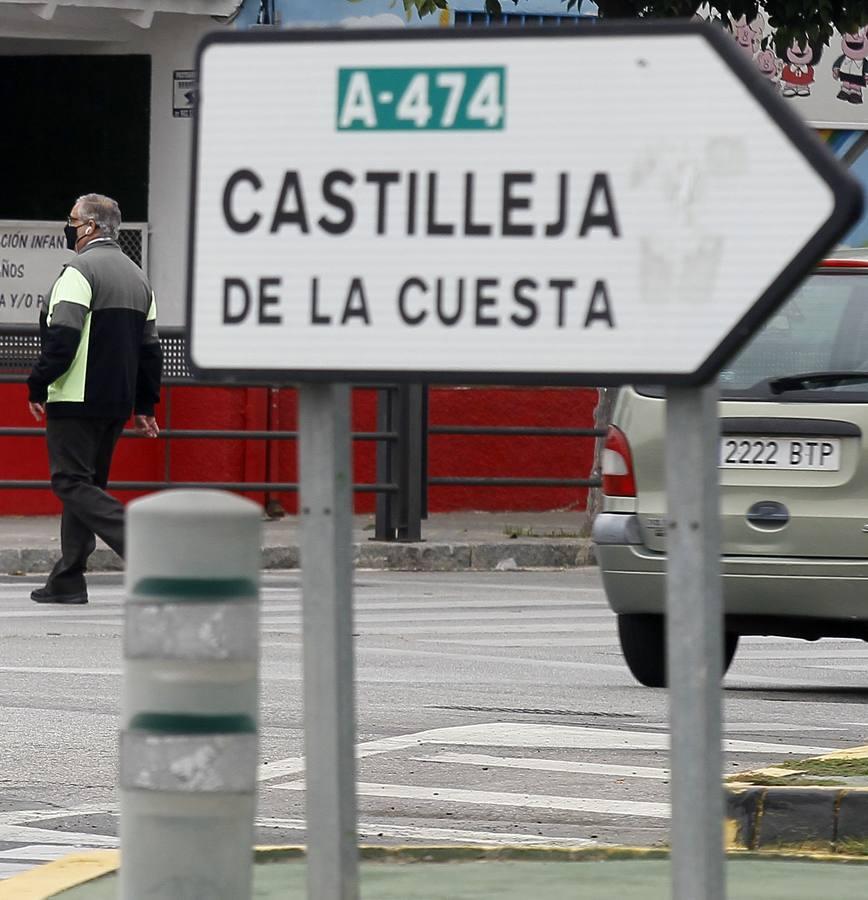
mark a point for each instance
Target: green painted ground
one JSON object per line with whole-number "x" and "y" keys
{"x": 513, "y": 880}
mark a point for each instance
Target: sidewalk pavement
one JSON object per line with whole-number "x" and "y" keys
{"x": 482, "y": 874}
{"x": 450, "y": 542}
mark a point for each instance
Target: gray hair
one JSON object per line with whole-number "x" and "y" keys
{"x": 104, "y": 211}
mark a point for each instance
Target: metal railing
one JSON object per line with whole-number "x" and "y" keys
{"x": 401, "y": 435}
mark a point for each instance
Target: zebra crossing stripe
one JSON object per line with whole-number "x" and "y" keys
{"x": 396, "y": 832}
{"x": 546, "y": 765}
{"x": 497, "y": 798}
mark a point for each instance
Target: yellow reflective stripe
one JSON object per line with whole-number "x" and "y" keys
{"x": 152, "y": 309}
{"x": 69, "y": 388}
{"x": 71, "y": 287}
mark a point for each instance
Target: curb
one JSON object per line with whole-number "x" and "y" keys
{"x": 76, "y": 870}
{"x": 831, "y": 819}
{"x": 48, "y": 880}
{"x": 401, "y": 557}
{"x": 826, "y": 820}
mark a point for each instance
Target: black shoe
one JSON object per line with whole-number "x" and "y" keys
{"x": 44, "y": 595}
{"x": 855, "y": 98}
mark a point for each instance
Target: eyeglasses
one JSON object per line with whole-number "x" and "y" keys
{"x": 71, "y": 221}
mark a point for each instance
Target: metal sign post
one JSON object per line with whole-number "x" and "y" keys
{"x": 327, "y": 596}
{"x": 694, "y": 641}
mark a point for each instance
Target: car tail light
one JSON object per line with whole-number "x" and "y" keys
{"x": 617, "y": 465}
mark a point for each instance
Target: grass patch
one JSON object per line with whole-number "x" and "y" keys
{"x": 852, "y": 847}
{"x": 517, "y": 531}
{"x": 819, "y": 772}
{"x": 843, "y": 768}
{"x": 793, "y": 780}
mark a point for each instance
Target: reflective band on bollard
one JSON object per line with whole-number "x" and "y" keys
{"x": 188, "y": 744}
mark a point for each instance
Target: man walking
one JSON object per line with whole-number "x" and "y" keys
{"x": 100, "y": 361}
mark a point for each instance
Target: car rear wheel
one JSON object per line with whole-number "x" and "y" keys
{"x": 643, "y": 643}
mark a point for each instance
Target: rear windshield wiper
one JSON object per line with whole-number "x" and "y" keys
{"x": 809, "y": 381}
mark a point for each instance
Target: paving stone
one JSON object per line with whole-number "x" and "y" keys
{"x": 797, "y": 817}
{"x": 444, "y": 557}
{"x": 742, "y": 807}
{"x": 38, "y": 560}
{"x": 385, "y": 555}
{"x": 408, "y": 557}
{"x": 853, "y": 817}
{"x": 10, "y": 562}
{"x": 587, "y": 555}
{"x": 280, "y": 558}
{"x": 525, "y": 555}
{"x": 104, "y": 560}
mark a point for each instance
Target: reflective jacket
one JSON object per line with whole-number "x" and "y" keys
{"x": 100, "y": 354}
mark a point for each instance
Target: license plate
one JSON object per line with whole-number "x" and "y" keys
{"x": 759, "y": 452}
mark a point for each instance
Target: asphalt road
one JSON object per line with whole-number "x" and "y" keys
{"x": 510, "y": 714}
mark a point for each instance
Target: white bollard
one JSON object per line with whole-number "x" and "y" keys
{"x": 188, "y": 744}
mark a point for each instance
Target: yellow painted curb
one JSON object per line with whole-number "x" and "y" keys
{"x": 70, "y": 871}
{"x": 47, "y": 881}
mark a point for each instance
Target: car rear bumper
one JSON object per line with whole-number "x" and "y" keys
{"x": 763, "y": 587}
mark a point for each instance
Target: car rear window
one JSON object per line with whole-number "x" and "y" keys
{"x": 823, "y": 327}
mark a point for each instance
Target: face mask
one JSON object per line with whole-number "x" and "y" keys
{"x": 71, "y": 234}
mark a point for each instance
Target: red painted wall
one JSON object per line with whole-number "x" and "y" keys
{"x": 259, "y": 408}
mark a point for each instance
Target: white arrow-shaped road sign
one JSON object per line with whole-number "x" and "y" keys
{"x": 617, "y": 204}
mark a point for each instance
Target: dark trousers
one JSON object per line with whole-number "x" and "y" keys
{"x": 79, "y": 456}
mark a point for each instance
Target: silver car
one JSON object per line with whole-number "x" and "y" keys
{"x": 793, "y": 475}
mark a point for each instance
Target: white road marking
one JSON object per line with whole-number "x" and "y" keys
{"x": 29, "y": 834}
{"x": 522, "y": 734}
{"x": 736, "y": 727}
{"x": 497, "y": 798}
{"x": 63, "y": 844}
{"x": 566, "y": 737}
{"x": 553, "y": 641}
{"x": 487, "y": 629}
{"x": 444, "y": 585}
{"x": 738, "y": 679}
{"x": 59, "y": 670}
{"x": 806, "y": 653}
{"x": 546, "y": 765}
{"x": 494, "y": 604}
{"x": 392, "y": 831}
{"x": 54, "y": 614}
{"x": 474, "y": 659}
{"x": 7, "y": 870}
{"x": 41, "y": 852}
{"x": 837, "y": 667}
{"x": 24, "y": 834}
{"x": 574, "y": 619}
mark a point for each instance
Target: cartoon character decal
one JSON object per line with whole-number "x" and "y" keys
{"x": 851, "y": 69}
{"x": 769, "y": 65}
{"x": 790, "y": 58}
{"x": 748, "y": 35}
{"x": 800, "y": 60}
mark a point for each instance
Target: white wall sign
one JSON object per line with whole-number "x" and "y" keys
{"x": 31, "y": 257}
{"x": 184, "y": 90}
{"x": 442, "y": 205}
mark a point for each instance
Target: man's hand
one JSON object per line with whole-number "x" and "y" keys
{"x": 37, "y": 410}
{"x": 146, "y": 425}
